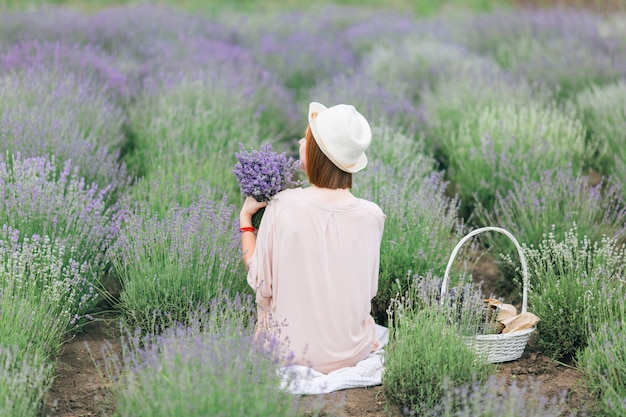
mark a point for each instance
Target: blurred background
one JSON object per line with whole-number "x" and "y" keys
{"x": 419, "y": 7}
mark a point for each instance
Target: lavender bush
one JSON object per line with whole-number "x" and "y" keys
{"x": 136, "y": 32}
{"x": 211, "y": 366}
{"x": 499, "y": 145}
{"x": 487, "y": 32}
{"x": 604, "y": 361}
{"x": 561, "y": 47}
{"x": 38, "y": 200}
{"x": 462, "y": 305}
{"x": 48, "y": 113}
{"x": 389, "y": 27}
{"x": 43, "y": 294}
{"x": 47, "y": 23}
{"x": 168, "y": 266}
{"x": 553, "y": 203}
{"x": 425, "y": 63}
{"x": 303, "y": 50}
{"x": 575, "y": 284}
{"x": 447, "y": 106}
{"x": 602, "y": 110}
{"x": 426, "y": 357}
{"x": 24, "y": 380}
{"x": 163, "y": 190}
{"x": 87, "y": 64}
{"x": 567, "y": 65}
{"x": 227, "y": 67}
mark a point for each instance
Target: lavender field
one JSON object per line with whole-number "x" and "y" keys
{"x": 119, "y": 129}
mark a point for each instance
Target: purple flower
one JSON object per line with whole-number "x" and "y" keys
{"x": 262, "y": 174}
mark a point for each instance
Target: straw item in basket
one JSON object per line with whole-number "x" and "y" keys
{"x": 509, "y": 345}
{"x": 508, "y": 319}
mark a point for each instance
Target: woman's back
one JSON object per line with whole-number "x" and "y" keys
{"x": 315, "y": 268}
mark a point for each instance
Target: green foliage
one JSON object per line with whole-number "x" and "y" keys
{"x": 604, "y": 364}
{"x": 425, "y": 358}
{"x": 495, "y": 146}
{"x": 25, "y": 377}
{"x": 40, "y": 294}
{"x": 602, "y": 110}
{"x": 450, "y": 103}
{"x": 191, "y": 134}
{"x": 425, "y": 62}
{"x": 169, "y": 266}
{"x": 552, "y": 203}
{"x": 575, "y": 285}
{"x": 215, "y": 367}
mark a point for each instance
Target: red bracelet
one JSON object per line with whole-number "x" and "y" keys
{"x": 247, "y": 229}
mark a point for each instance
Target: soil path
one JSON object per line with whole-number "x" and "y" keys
{"x": 79, "y": 389}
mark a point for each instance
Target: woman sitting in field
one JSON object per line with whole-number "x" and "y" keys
{"x": 314, "y": 261}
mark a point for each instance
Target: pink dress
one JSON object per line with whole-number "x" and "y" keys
{"x": 315, "y": 272}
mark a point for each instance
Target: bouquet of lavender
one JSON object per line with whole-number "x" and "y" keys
{"x": 262, "y": 174}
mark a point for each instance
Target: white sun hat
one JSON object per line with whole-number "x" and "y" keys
{"x": 342, "y": 133}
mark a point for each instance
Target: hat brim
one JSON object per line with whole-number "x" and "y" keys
{"x": 314, "y": 109}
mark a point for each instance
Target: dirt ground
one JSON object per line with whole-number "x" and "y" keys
{"x": 80, "y": 390}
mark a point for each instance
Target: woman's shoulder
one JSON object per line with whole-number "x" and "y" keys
{"x": 372, "y": 207}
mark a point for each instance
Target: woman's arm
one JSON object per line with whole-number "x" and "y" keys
{"x": 248, "y": 239}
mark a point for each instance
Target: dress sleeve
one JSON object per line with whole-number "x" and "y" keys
{"x": 260, "y": 263}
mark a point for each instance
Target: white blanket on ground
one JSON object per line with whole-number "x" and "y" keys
{"x": 298, "y": 379}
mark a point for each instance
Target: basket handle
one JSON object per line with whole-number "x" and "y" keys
{"x": 520, "y": 252}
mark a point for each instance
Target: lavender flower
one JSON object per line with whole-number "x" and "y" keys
{"x": 262, "y": 174}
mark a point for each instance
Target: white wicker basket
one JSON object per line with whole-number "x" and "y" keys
{"x": 502, "y": 347}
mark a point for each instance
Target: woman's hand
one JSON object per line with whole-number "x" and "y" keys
{"x": 250, "y": 206}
